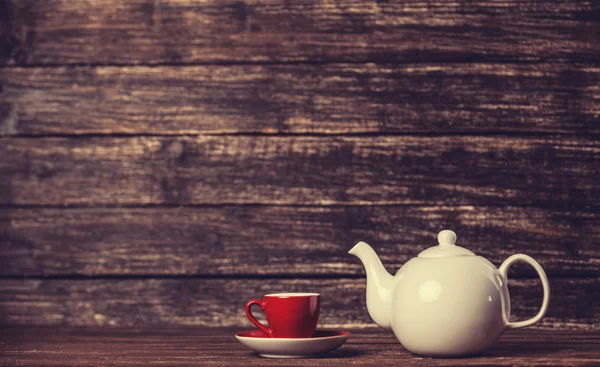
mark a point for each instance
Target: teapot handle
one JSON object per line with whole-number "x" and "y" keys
{"x": 504, "y": 271}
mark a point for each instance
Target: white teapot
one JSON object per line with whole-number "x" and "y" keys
{"x": 445, "y": 302}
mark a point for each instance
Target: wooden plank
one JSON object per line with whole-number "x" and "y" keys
{"x": 192, "y": 31}
{"x": 297, "y": 99}
{"x": 284, "y": 240}
{"x": 220, "y": 302}
{"x": 455, "y": 170}
{"x": 34, "y": 346}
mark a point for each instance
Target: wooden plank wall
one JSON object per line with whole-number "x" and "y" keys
{"x": 163, "y": 161}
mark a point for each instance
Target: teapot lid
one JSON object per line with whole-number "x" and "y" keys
{"x": 447, "y": 247}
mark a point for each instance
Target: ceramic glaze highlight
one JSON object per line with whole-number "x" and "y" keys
{"x": 455, "y": 307}
{"x": 446, "y": 302}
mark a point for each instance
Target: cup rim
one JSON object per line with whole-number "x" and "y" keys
{"x": 292, "y": 294}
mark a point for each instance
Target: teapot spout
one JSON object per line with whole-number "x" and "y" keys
{"x": 380, "y": 285}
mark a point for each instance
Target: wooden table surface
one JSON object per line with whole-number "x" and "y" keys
{"x": 217, "y": 346}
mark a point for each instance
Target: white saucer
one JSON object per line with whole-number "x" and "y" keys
{"x": 322, "y": 342}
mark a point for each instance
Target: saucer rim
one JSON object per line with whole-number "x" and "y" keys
{"x": 339, "y": 334}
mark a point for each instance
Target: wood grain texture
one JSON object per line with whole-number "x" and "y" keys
{"x": 175, "y": 31}
{"x": 284, "y": 241}
{"x": 296, "y": 99}
{"x": 220, "y": 302}
{"x": 301, "y": 170}
{"x": 217, "y": 347}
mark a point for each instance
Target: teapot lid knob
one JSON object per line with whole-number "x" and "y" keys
{"x": 447, "y": 247}
{"x": 447, "y": 238}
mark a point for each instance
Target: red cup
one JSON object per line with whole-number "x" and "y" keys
{"x": 290, "y": 315}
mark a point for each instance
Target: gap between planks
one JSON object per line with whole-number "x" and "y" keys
{"x": 491, "y": 133}
{"x": 466, "y": 61}
{"x": 287, "y": 205}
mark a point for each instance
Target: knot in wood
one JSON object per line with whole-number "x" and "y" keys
{"x": 175, "y": 150}
{"x": 212, "y": 240}
{"x": 20, "y": 56}
{"x": 42, "y": 170}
